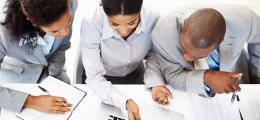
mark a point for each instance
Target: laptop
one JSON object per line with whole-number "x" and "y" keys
{"x": 147, "y": 112}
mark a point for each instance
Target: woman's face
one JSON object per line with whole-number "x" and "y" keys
{"x": 60, "y": 28}
{"x": 124, "y": 24}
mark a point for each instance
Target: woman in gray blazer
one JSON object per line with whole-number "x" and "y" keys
{"x": 34, "y": 36}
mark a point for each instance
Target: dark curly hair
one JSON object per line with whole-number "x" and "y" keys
{"x": 39, "y": 12}
{"x": 124, "y": 7}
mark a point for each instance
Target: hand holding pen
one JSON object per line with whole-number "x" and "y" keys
{"x": 48, "y": 104}
{"x": 46, "y": 91}
{"x": 234, "y": 93}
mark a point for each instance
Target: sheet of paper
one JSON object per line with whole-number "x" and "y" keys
{"x": 249, "y": 107}
{"x": 55, "y": 88}
{"x": 216, "y": 108}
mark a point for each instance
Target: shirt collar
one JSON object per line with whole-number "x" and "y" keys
{"x": 108, "y": 32}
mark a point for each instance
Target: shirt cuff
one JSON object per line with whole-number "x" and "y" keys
{"x": 207, "y": 88}
{"x": 119, "y": 99}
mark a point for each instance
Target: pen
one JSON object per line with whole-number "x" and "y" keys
{"x": 234, "y": 93}
{"x": 46, "y": 91}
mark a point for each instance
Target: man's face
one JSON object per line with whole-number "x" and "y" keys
{"x": 190, "y": 52}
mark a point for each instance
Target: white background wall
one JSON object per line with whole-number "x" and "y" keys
{"x": 87, "y": 8}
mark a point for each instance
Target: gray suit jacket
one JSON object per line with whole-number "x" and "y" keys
{"x": 18, "y": 66}
{"x": 242, "y": 27}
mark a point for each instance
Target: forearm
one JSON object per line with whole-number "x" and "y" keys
{"x": 179, "y": 77}
{"x": 106, "y": 92}
{"x": 153, "y": 75}
{"x": 11, "y": 99}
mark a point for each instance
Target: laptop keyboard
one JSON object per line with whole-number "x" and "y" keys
{"x": 113, "y": 117}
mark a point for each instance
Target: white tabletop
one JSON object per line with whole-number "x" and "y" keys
{"x": 181, "y": 103}
{"x": 88, "y": 108}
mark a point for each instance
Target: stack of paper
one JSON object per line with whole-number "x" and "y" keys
{"x": 216, "y": 108}
{"x": 246, "y": 107}
{"x": 249, "y": 107}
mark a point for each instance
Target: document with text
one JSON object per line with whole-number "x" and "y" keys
{"x": 220, "y": 107}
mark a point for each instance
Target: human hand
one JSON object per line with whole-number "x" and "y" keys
{"x": 48, "y": 104}
{"x": 160, "y": 94}
{"x": 221, "y": 82}
{"x": 132, "y": 110}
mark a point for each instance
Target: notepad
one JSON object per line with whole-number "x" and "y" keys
{"x": 55, "y": 87}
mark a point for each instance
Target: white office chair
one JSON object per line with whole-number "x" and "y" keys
{"x": 78, "y": 68}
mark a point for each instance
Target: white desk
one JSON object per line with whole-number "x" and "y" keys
{"x": 88, "y": 108}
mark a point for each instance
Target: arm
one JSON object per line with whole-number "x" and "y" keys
{"x": 9, "y": 99}
{"x": 12, "y": 99}
{"x": 153, "y": 79}
{"x": 15, "y": 101}
{"x": 165, "y": 37}
{"x": 153, "y": 76}
{"x": 90, "y": 42}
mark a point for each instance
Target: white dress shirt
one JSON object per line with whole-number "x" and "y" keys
{"x": 104, "y": 52}
{"x": 46, "y": 43}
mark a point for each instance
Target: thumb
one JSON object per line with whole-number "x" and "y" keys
{"x": 130, "y": 115}
{"x": 236, "y": 75}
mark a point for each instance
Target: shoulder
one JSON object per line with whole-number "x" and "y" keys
{"x": 167, "y": 25}
{"x": 150, "y": 14}
{"x": 235, "y": 12}
{"x": 238, "y": 18}
{"x": 94, "y": 22}
{"x": 92, "y": 27}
